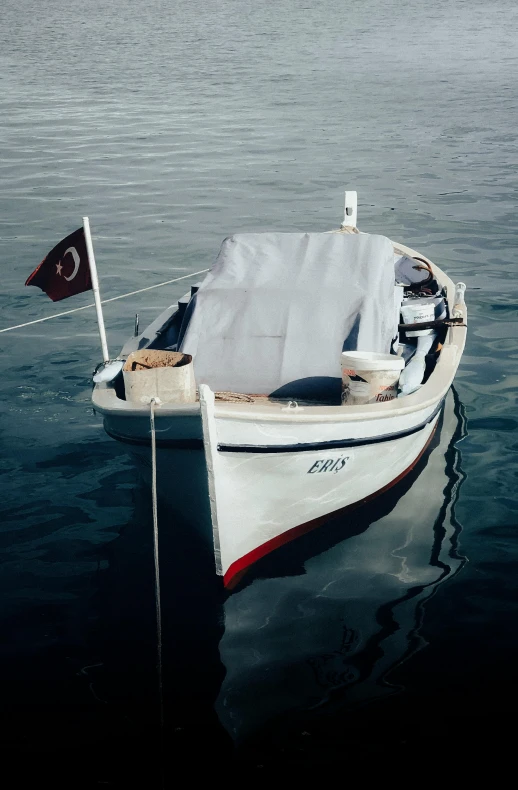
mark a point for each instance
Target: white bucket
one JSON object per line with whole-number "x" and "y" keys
{"x": 166, "y": 375}
{"x": 416, "y": 312}
{"x": 368, "y": 377}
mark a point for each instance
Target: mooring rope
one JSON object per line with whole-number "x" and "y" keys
{"x": 235, "y": 397}
{"x": 104, "y": 301}
{"x": 157, "y": 564}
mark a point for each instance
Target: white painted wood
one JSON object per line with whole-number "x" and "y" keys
{"x": 459, "y": 305}
{"x": 263, "y": 496}
{"x": 210, "y": 445}
{"x": 350, "y": 210}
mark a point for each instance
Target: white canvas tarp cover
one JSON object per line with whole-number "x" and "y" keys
{"x": 276, "y": 310}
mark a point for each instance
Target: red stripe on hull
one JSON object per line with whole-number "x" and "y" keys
{"x": 238, "y": 568}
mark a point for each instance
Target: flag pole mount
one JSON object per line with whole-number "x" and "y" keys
{"x": 95, "y": 288}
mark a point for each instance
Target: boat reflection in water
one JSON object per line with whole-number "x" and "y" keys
{"x": 323, "y": 619}
{"x": 330, "y": 615}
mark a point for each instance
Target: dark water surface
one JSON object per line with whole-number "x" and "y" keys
{"x": 387, "y": 635}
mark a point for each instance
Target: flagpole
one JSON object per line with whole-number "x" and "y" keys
{"x": 95, "y": 288}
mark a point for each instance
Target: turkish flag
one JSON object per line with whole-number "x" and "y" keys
{"x": 65, "y": 271}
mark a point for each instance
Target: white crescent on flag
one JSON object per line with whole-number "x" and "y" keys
{"x": 77, "y": 260}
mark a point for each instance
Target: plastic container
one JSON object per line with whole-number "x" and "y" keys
{"x": 368, "y": 377}
{"x": 416, "y": 311}
{"x": 165, "y": 375}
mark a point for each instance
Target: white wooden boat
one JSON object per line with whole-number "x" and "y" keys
{"x": 253, "y": 443}
{"x": 364, "y": 595}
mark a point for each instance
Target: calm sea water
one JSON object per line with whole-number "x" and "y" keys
{"x": 170, "y": 125}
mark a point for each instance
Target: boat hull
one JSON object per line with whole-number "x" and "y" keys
{"x": 247, "y": 498}
{"x": 250, "y": 476}
{"x": 318, "y": 500}
{"x": 263, "y": 495}
{"x": 330, "y": 625}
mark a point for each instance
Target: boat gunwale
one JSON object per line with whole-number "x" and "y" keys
{"x": 333, "y": 444}
{"x": 196, "y": 443}
{"x": 273, "y": 411}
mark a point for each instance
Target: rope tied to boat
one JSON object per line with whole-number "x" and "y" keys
{"x": 234, "y": 397}
{"x": 104, "y": 301}
{"x": 154, "y": 402}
